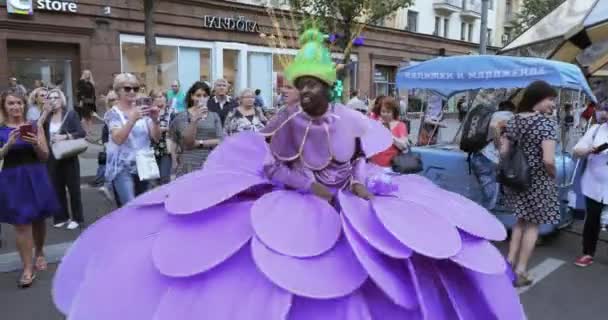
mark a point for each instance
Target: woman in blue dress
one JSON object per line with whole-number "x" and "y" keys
{"x": 26, "y": 194}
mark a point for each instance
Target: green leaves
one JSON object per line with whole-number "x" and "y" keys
{"x": 533, "y": 11}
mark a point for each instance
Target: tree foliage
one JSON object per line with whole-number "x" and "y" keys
{"x": 533, "y": 11}
{"x": 347, "y": 17}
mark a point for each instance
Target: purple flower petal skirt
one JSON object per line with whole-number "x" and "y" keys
{"x": 223, "y": 243}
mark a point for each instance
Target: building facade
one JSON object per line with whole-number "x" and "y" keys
{"x": 197, "y": 40}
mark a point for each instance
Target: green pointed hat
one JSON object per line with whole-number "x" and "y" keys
{"x": 313, "y": 59}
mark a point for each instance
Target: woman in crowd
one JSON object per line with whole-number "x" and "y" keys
{"x": 86, "y": 99}
{"x": 132, "y": 128}
{"x": 245, "y": 117}
{"x": 61, "y": 124}
{"x": 195, "y": 132}
{"x": 36, "y": 103}
{"x": 536, "y": 133}
{"x": 161, "y": 148}
{"x": 26, "y": 193}
{"x": 375, "y": 112}
{"x": 389, "y": 116}
{"x": 594, "y": 181}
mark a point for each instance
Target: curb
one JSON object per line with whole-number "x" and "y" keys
{"x": 10, "y": 262}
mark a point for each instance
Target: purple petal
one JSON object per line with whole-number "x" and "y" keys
{"x": 234, "y": 290}
{"x": 359, "y": 213}
{"x": 480, "y": 255}
{"x": 334, "y": 274}
{"x": 228, "y": 156}
{"x": 498, "y": 294}
{"x": 458, "y": 210}
{"x": 193, "y": 244}
{"x": 128, "y": 287}
{"x": 351, "y": 307}
{"x": 434, "y": 300}
{"x": 466, "y": 299}
{"x": 282, "y": 220}
{"x": 417, "y": 228}
{"x": 389, "y": 274}
{"x": 381, "y": 307}
{"x": 376, "y": 139}
{"x": 153, "y": 197}
{"x": 124, "y": 225}
{"x": 199, "y": 191}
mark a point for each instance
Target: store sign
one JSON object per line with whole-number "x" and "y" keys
{"x": 239, "y": 24}
{"x": 26, "y": 7}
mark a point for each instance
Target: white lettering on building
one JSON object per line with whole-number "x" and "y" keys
{"x": 57, "y": 5}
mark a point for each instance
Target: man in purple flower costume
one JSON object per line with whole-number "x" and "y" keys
{"x": 300, "y": 228}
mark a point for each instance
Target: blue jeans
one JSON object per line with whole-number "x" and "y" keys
{"x": 127, "y": 186}
{"x": 485, "y": 171}
{"x": 100, "y": 176}
{"x": 164, "y": 166}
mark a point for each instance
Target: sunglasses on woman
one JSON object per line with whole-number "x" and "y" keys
{"x": 130, "y": 89}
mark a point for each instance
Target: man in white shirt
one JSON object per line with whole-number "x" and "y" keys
{"x": 356, "y": 103}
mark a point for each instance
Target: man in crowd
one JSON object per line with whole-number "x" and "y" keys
{"x": 221, "y": 103}
{"x": 176, "y": 97}
{"x": 356, "y": 103}
{"x": 14, "y": 86}
{"x": 259, "y": 100}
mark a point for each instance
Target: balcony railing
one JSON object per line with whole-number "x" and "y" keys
{"x": 471, "y": 9}
{"x": 448, "y": 6}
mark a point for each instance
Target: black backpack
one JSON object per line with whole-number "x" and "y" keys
{"x": 475, "y": 129}
{"x": 513, "y": 168}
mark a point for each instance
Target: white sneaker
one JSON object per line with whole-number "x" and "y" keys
{"x": 60, "y": 224}
{"x": 73, "y": 225}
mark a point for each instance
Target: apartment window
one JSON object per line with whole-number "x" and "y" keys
{"x": 437, "y": 26}
{"x": 489, "y": 36}
{"x": 446, "y": 27}
{"x": 470, "y": 33}
{"x": 463, "y": 31}
{"x": 412, "y": 21}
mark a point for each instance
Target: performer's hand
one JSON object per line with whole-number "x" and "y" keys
{"x": 321, "y": 191}
{"x": 361, "y": 191}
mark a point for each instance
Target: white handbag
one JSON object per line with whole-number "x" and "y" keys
{"x": 69, "y": 148}
{"x": 147, "y": 168}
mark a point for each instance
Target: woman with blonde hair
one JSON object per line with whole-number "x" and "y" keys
{"x": 62, "y": 124}
{"x": 86, "y": 99}
{"x": 26, "y": 193}
{"x": 132, "y": 128}
{"x": 36, "y": 101}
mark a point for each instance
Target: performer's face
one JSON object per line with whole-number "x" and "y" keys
{"x": 314, "y": 97}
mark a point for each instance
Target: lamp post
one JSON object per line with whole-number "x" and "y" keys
{"x": 483, "y": 39}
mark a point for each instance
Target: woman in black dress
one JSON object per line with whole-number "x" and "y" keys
{"x": 86, "y": 99}
{"x": 536, "y": 132}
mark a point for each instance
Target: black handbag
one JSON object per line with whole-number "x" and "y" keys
{"x": 513, "y": 168}
{"x": 406, "y": 163}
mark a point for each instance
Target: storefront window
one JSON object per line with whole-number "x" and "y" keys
{"x": 52, "y": 72}
{"x": 231, "y": 69}
{"x": 205, "y": 70}
{"x": 134, "y": 61}
{"x": 384, "y": 80}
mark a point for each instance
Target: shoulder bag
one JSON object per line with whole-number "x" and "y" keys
{"x": 513, "y": 168}
{"x": 68, "y": 148}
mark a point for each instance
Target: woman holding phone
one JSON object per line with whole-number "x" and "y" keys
{"x": 62, "y": 124}
{"x": 133, "y": 126}
{"x": 195, "y": 132}
{"x": 593, "y": 146}
{"x": 26, "y": 193}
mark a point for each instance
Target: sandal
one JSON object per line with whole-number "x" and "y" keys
{"x": 522, "y": 280}
{"x": 41, "y": 263}
{"x": 26, "y": 281}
